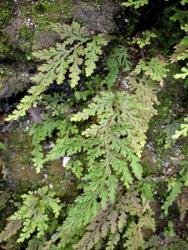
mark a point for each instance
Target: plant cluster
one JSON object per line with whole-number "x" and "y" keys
{"x": 97, "y": 125}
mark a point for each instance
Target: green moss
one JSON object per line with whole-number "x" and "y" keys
{"x": 5, "y": 47}
{"x": 42, "y": 7}
{"x": 18, "y": 160}
{"x": 5, "y": 15}
{"x": 43, "y": 12}
{"x": 5, "y": 71}
{"x": 17, "y": 165}
{"x": 63, "y": 185}
{"x": 25, "y": 36}
{"x": 25, "y": 33}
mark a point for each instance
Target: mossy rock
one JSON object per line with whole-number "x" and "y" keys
{"x": 17, "y": 168}
{"x": 44, "y": 39}
{"x": 14, "y": 78}
{"x": 31, "y": 18}
{"x": 6, "y": 9}
{"x": 5, "y": 48}
{"x": 28, "y": 29}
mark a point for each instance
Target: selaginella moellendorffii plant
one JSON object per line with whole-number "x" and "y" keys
{"x": 100, "y": 129}
{"x": 77, "y": 52}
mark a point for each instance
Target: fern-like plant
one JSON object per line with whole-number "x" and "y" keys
{"x": 33, "y": 215}
{"x": 134, "y": 3}
{"x": 76, "y": 53}
{"x": 100, "y": 130}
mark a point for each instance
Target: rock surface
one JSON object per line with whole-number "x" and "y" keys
{"x": 25, "y": 27}
{"x": 96, "y": 17}
{"x": 16, "y": 79}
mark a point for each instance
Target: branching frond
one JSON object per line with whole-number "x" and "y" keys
{"x": 69, "y": 57}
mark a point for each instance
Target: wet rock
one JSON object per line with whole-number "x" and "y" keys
{"x": 14, "y": 79}
{"x": 98, "y": 17}
{"x": 44, "y": 39}
{"x": 36, "y": 114}
{"x": 17, "y": 168}
{"x": 23, "y": 34}
{"x": 13, "y": 28}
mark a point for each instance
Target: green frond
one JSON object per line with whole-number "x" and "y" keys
{"x": 70, "y": 33}
{"x": 12, "y": 227}
{"x": 181, "y": 50}
{"x": 135, "y": 3}
{"x": 134, "y": 233}
{"x": 70, "y": 56}
{"x": 183, "y": 131}
{"x": 144, "y": 39}
{"x": 36, "y": 244}
{"x": 175, "y": 191}
{"x": 117, "y": 61}
{"x": 183, "y": 74}
{"x": 34, "y": 213}
{"x": 39, "y": 134}
{"x": 156, "y": 68}
{"x": 92, "y": 52}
